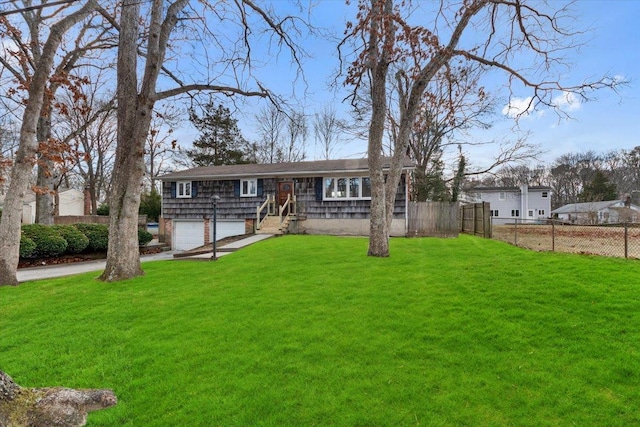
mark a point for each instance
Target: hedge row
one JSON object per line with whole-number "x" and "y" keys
{"x": 43, "y": 241}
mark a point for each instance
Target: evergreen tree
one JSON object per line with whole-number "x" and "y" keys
{"x": 599, "y": 189}
{"x": 220, "y": 141}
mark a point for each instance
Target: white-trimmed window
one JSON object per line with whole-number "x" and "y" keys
{"x": 545, "y": 194}
{"x": 183, "y": 189}
{"x": 541, "y": 212}
{"x": 352, "y": 187}
{"x": 502, "y": 195}
{"x": 515, "y": 212}
{"x": 248, "y": 187}
{"x": 530, "y": 213}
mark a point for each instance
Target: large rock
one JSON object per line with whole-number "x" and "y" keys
{"x": 48, "y": 407}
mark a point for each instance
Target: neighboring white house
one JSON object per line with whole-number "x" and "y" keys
{"x": 71, "y": 203}
{"x": 507, "y": 204}
{"x": 611, "y": 211}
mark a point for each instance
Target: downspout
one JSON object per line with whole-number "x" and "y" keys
{"x": 406, "y": 203}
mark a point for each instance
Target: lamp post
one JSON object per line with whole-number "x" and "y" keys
{"x": 215, "y": 198}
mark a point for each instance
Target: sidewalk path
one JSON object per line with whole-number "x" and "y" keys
{"x": 51, "y": 271}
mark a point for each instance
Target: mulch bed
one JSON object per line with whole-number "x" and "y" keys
{"x": 67, "y": 259}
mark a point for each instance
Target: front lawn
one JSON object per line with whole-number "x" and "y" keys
{"x": 307, "y": 330}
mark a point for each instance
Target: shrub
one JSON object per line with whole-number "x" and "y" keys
{"x": 103, "y": 209}
{"x": 144, "y": 237}
{"x": 151, "y": 205}
{"x": 76, "y": 241}
{"x": 27, "y": 246}
{"x": 98, "y": 235}
{"x": 49, "y": 243}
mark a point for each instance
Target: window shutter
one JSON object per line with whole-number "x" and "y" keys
{"x": 319, "y": 188}
{"x": 194, "y": 188}
{"x": 236, "y": 188}
{"x": 260, "y": 187}
{"x": 174, "y": 190}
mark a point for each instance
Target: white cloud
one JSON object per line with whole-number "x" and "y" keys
{"x": 567, "y": 101}
{"x": 518, "y": 107}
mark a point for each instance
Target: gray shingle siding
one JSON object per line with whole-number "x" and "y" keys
{"x": 233, "y": 207}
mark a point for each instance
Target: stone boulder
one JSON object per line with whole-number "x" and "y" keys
{"x": 48, "y": 407}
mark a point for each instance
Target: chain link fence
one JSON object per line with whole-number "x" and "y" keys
{"x": 614, "y": 240}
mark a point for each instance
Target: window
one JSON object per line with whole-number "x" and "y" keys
{"x": 541, "y": 212}
{"x": 530, "y": 213}
{"x": 184, "y": 189}
{"x": 354, "y": 187}
{"x": 494, "y": 213}
{"x": 515, "y": 212}
{"x": 366, "y": 187}
{"x": 329, "y": 188}
{"x": 545, "y": 194}
{"x": 502, "y": 195}
{"x": 347, "y": 188}
{"x": 248, "y": 187}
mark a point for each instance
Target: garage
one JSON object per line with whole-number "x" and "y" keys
{"x": 187, "y": 234}
{"x": 227, "y": 229}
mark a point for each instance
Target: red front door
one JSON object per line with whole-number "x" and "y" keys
{"x": 285, "y": 189}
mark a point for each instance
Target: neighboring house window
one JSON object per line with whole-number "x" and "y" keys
{"x": 494, "y": 213}
{"x": 502, "y": 195}
{"x": 184, "y": 189}
{"x": 541, "y": 212}
{"x": 248, "y": 187}
{"x": 515, "y": 212}
{"x": 531, "y": 214}
{"x": 545, "y": 194}
{"x": 347, "y": 188}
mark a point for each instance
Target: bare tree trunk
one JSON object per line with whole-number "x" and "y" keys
{"x": 134, "y": 118}
{"x": 378, "y": 225}
{"x": 12, "y": 212}
{"x": 45, "y": 179}
{"x": 134, "y": 121}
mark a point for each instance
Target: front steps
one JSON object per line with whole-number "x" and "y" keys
{"x": 271, "y": 225}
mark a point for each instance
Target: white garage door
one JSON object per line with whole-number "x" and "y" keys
{"x": 187, "y": 235}
{"x": 227, "y": 228}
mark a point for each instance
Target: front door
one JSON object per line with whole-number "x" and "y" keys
{"x": 285, "y": 189}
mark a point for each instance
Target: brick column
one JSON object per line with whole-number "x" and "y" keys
{"x": 207, "y": 231}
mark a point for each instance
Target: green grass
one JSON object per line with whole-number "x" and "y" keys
{"x": 307, "y": 330}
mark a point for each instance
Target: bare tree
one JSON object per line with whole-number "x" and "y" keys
{"x": 282, "y": 135}
{"x": 138, "y": 96}
{"x": 90, "y": 133}
{"x": 161, "y": 145}
{"x": 496, "y": 34}
{"x": 25, "y": 156}
{"x": 297, "y": 132}
{"x": 9, "y": 138}
{"x": 570, "y": 173}
{"x": 90, "y": 37}
{"x": 328, "y": 129}
{"x": 270, "y": 124}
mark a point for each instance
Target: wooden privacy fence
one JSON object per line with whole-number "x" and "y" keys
{"x": 432, "y": 219}
{"x": 475, "y": 218}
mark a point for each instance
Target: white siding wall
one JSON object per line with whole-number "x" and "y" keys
{"x": 539, "y": 206}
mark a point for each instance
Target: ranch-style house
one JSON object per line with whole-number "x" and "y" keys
{"x": 314, "y": 197}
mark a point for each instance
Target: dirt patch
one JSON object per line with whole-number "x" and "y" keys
{"x": 593, "y": 240}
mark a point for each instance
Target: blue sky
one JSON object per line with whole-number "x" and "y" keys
{"x": 609, "y": 122}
